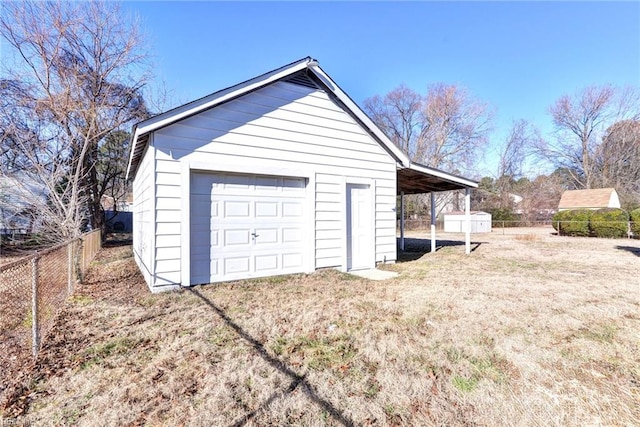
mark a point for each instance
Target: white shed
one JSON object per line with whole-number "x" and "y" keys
{"x": 280, "y": 174}
{"x": 454, "y": 222}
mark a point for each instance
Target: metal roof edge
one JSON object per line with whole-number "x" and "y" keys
{"x": 132, "y": 145}
{"x": 444, "y": 175}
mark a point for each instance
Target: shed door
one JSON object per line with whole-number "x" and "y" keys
{"x": 360, "y": 232}
{"x": 246, "y": 226}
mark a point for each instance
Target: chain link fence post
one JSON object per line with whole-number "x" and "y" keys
{"x": 80, "y": 261}
{"x": 70, "y": 269}
{"x": 35, "y": 327}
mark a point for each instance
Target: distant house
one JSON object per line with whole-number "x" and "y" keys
{"x": 19, "y": 197}
{"x": 589, "y": 199}
{"x": 126, "y": 205}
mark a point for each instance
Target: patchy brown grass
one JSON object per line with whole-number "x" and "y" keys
{"x": 523, "y": 331}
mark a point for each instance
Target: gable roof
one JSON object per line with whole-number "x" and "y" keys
{"x": 310, "y": 66}
{"x": 307, "y": 68}
{"x": 594, "y": 198}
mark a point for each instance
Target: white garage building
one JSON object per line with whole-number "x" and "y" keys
{"x": 279, "y": 174}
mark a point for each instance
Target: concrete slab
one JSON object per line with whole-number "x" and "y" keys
{"x": 374, "y": 274}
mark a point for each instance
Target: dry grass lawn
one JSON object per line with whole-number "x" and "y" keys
{"x": 531, "y": 329}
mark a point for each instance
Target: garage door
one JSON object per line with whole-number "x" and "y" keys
{"x": 246, "y": 226}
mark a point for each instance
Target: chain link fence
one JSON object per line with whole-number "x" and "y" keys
{"x": 32, "y": 290}
{"x": 425, "y": 224}
{"x": 517, "y": 226}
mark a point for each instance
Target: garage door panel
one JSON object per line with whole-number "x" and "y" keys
{"x": 292, "y": 209}
{"x": 265, "y": 236}
{"x": 289, "y": 184}
{"x": 292, "y": 261}
{"x": 237, "y": 265}
{"x": 236, "y": 182}
{"x": 267, "y": 183}
{"x": 266, "y": 209}
{"x": 265, "y": 263}
{"x": 237, "y": 209}
{"x": 246, "y": 226}
{"x": 291, "y": 235}
{"x": 237, "y": 237}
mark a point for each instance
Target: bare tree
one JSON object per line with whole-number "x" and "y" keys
{"x": 580, "y": 121}
{"x": 445, "y": 128}
{"x": 617, "y": 160}
{"x": 456, "y": 128}
{"x": 513, "y": 152}
{"x": 78, "y": 75}
{"x": 399, "y": 116}
{"x": 111, "y": 169}
{"x": 519, "y": 142}
{"x": 540, "y": 197}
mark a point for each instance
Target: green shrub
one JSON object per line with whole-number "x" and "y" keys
{"x": 557, "y": 218}
{"x": 612, "y": 223}
{"x": 506, "y": 215}
{"x": 572, "y": 223}
{"x": 635, "y": 223}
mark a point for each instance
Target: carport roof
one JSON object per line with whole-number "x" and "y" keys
{"x": 418, "y": 178}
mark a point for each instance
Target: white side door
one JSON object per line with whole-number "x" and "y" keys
{"x": 360, "y": 230}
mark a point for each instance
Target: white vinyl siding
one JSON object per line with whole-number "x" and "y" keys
{"x": 167, "y": 222}
{"x": 143, "y": 207}
{"x": 385, "y": 222}
{"x": 282, "y": 126}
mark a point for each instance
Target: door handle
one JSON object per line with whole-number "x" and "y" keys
{"x": 255, "y": 235}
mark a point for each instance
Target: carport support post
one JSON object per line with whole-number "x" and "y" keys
{"x": 402, "y": 221}
{"x": 433, "y": 222}
{"x": 467, "y": 219}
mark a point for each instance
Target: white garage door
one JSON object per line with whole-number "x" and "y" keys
{"x": 246, "y": 226}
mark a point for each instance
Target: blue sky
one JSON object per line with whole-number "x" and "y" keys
{"x": 519, "y": 57}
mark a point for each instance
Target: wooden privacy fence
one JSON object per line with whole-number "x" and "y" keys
{"x": 32, "y": 289}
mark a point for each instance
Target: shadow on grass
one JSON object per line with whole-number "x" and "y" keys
{"x": 633, "y": 250}
{"x": 296, "y": 379}
{"x": 415, "y": 248}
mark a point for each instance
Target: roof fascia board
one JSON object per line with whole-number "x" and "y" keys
{"x": 444, "y": 175}
{"x": 357, "y": 111}
{"x": 134, "y": 139}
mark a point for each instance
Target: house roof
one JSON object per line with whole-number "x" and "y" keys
{"x": 412, "y": 177}
{"x": 594, "y": 198}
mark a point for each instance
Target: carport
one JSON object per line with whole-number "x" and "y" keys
{"x": 420, "y": 179}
